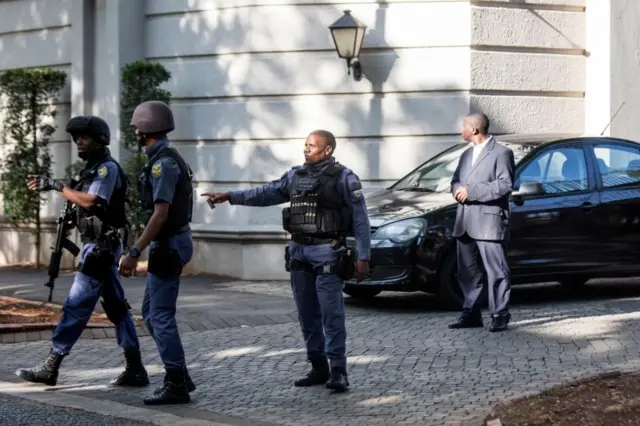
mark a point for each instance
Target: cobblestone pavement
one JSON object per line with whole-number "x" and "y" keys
{"x": 205, "y": 302}
{"x": 405, "y": 366}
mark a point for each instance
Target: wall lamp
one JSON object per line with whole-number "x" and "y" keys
{"x": 348, "y": 35}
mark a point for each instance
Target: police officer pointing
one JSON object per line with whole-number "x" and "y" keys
{"x": 99, "y": 200}
{"x": 166, "y": 194}
{"x": 327, "y": 205}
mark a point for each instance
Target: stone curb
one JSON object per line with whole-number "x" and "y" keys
{"x": 39, "y": 326}
{"x": 109, "y": 332}
{"x": 101, "y": 332}
{"x": 102, "y": 407}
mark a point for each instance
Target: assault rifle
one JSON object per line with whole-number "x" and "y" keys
{"x": 64, "y": 226}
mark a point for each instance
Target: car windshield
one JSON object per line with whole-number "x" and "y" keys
{"x": 435, "y": 175}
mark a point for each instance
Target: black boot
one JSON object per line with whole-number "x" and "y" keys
{"x": 339, "y": 382}
{"x": 187, "y": 380}
{"x": 46, "y": 372}
{"x": 134, "y": 373}
{"x": 318, "y": 375}
{"x": 174, "y": 390}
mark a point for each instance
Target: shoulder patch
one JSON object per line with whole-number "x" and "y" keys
{"x": 102, "y": 172}
{"x": 156, "y": 169}
{"x": 357, "y": 193}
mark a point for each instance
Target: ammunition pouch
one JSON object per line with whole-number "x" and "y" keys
{"x": 98, "y": 263}
{"x": 286, "y": 219}
{"x": 90, "y": 228}
{"x": 115, "y": 310}
{"x": 164, "y": 261}
{"x": 287, "y": 259}
{"x": 346, "y": 265}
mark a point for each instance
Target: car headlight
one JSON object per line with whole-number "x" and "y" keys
{"x": 401, "y": 231}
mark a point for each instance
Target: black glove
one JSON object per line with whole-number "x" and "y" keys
{"x": 45, "y": 183}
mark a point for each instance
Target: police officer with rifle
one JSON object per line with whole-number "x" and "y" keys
{"x": 327, "y": 205}
{"x": 99, "y": 199}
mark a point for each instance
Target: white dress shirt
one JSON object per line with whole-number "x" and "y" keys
{"x": 477, "y": 149}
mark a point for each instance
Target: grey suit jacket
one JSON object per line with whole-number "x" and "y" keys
{"x": 486, "y": 214}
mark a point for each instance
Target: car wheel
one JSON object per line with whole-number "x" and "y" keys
{"x": 448, "y": 293}
{"x": 573, "y": 282}
{"x": 361, "y": 292}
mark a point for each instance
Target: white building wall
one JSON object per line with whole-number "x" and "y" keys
{"x": 528, "y": 64}
{"x": 251, "y": 78}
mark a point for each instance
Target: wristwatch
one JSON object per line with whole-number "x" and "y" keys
{"x": 134, "y": 252}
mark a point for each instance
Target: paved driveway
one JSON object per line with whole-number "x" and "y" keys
{"x": 406, "y": 367}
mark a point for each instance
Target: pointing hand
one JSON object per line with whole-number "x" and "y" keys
{"x": 215, "y": 197}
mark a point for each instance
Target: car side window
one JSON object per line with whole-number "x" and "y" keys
{"x": 560, "y": 170}
{"x": 619, "y": 165}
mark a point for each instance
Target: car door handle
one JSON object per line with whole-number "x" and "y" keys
{"x": 587, "y": 207}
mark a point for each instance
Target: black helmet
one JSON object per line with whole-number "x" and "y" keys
{"x": 153, "y": 117}
{"x": 90, "y": 125}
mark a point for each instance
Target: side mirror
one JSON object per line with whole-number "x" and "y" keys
{"x": 526, "y": 189}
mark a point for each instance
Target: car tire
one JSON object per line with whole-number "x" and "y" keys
{"x": 361, "y": 292}
{"x": 448, "y": 293}
{"x": 573, "y": 282}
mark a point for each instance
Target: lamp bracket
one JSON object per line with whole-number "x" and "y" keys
{"x": 354, "y": 63}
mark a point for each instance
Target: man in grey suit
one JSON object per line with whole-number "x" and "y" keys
{"x": 482, "y": 184}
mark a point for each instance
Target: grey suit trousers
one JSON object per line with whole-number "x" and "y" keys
{"x": 475, "y": 258}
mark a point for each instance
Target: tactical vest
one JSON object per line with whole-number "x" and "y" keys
{"x": 181, "y": 209}
{"x": 317, "y": 207}
{"x": 95, "y": 222}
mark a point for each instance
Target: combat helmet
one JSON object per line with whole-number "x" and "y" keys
{"x": 152, "y": 117}
{"x": 94, "y": 127}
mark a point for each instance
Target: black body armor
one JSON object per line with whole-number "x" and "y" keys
{"x": 108, "y": 215}
{"x": 317, "y": 208}
{"x": 181, "y": 209}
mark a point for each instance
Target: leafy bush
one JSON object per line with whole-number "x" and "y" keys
{"x": 29, "y": 96}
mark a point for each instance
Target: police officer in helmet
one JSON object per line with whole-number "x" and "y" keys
{"x": 327, "y": 205}
{"x": 167, "y": 197}
{"x": 99, "y": 199}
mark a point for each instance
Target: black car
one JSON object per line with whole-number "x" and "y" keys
{"x": 575, "y": 216}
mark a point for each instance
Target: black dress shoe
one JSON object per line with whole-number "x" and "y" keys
{"x": 499, "y": 322}
{"x": 468, "y": 321}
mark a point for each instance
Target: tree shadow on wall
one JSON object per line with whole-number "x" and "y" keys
{"x": 258, "y": 136}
